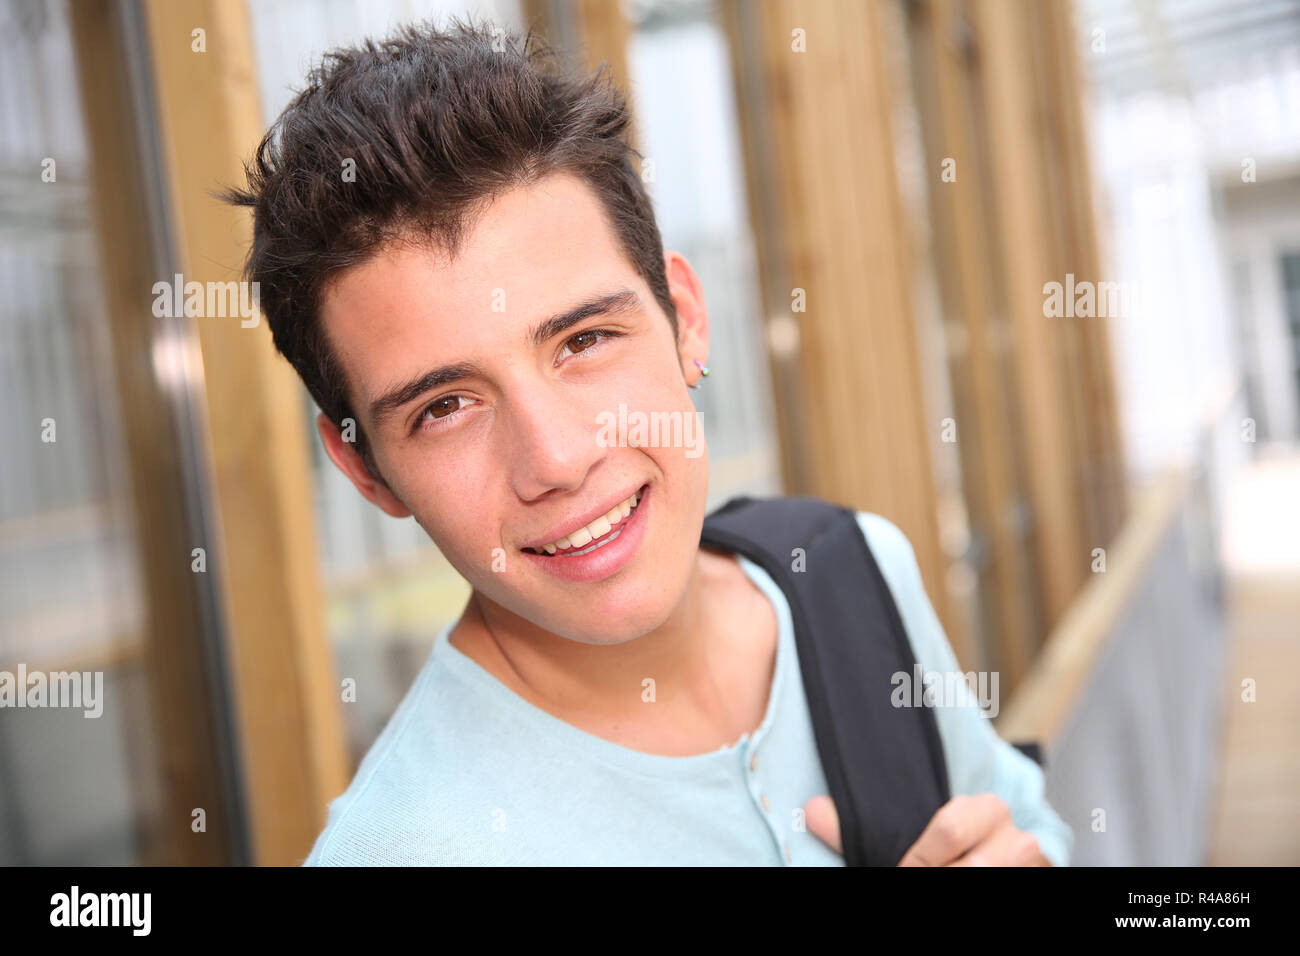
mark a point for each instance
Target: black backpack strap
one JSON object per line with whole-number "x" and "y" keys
{"x": 884, "y": 764}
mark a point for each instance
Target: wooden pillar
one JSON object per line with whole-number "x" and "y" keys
{"x": 1106, "y": 476}
{"x": 288, "y": 705}
{"x": 1024, "y": 245}
{"x": 1065, "y": 257}
{"x": 769, "y": 158}
{"x": 604, "y": 32}
{"x": 842, "y": 247}
{"x": 181, "y": 711}
{"x": 942, "y": 80}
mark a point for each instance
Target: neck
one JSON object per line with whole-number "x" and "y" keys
{"x": 684, "y": 657}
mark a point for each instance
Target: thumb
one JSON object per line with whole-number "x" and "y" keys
{"x": 824, "y": 821}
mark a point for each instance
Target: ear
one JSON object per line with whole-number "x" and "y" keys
{"x": 692, "y": 314}
{"x": 344, "y": 454}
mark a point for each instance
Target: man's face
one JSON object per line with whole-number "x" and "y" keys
{"x": 511, "y": 446}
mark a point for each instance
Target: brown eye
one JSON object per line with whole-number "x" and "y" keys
{"x": 584, "y": 340}
{"x": 443, "y": 407}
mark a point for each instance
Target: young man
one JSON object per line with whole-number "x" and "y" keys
{"x": 458, "y": 257}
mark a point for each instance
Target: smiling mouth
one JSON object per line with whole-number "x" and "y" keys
{"x": 595, "y": 535}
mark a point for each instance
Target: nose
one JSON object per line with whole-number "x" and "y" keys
{"x": 551, "y": 436}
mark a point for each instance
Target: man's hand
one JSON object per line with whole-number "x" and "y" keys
{"x": 968, "y": 830}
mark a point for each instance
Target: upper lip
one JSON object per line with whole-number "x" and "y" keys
{"x": 570, "y": 525}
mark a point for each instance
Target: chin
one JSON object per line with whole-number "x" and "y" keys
{"x": 638, "y": 602}
{"x": 610, "y": 615}
{"x": 627, "y": 624}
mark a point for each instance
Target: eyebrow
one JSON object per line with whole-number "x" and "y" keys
{"x": 615, "y": 303}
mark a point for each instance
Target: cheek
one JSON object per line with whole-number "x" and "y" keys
{"x": 655, "y": 384}
{"x": 453, "y": 501}
{"x": 471, "y": 547}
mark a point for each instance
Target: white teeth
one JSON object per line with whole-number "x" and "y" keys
{"x": 598, "y": 528}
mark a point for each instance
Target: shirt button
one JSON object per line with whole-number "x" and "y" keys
{"x": 787, "y": 853}
{"x": 753, "y": 763}
{"x": 767, "y": 804}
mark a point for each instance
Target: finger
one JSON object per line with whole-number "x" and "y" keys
{"x": 823, "y": 822}
{"x": 1006, "y": 847}
{"x": 961, "y": 823}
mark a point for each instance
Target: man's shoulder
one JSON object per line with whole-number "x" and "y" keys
{"x": 888, "y": 543}
{"x": 406, "y": 804}
{"x": 893, "y": 553}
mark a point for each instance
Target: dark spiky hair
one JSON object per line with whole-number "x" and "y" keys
{"x": 434, "y": 123}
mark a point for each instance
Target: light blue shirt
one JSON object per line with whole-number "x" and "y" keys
{"x": 466, "y": 772}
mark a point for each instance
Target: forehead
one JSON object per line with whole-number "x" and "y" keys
{"x": 532, "y": 251}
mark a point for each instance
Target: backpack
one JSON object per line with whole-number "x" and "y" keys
{"x": 884, "y": 764}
